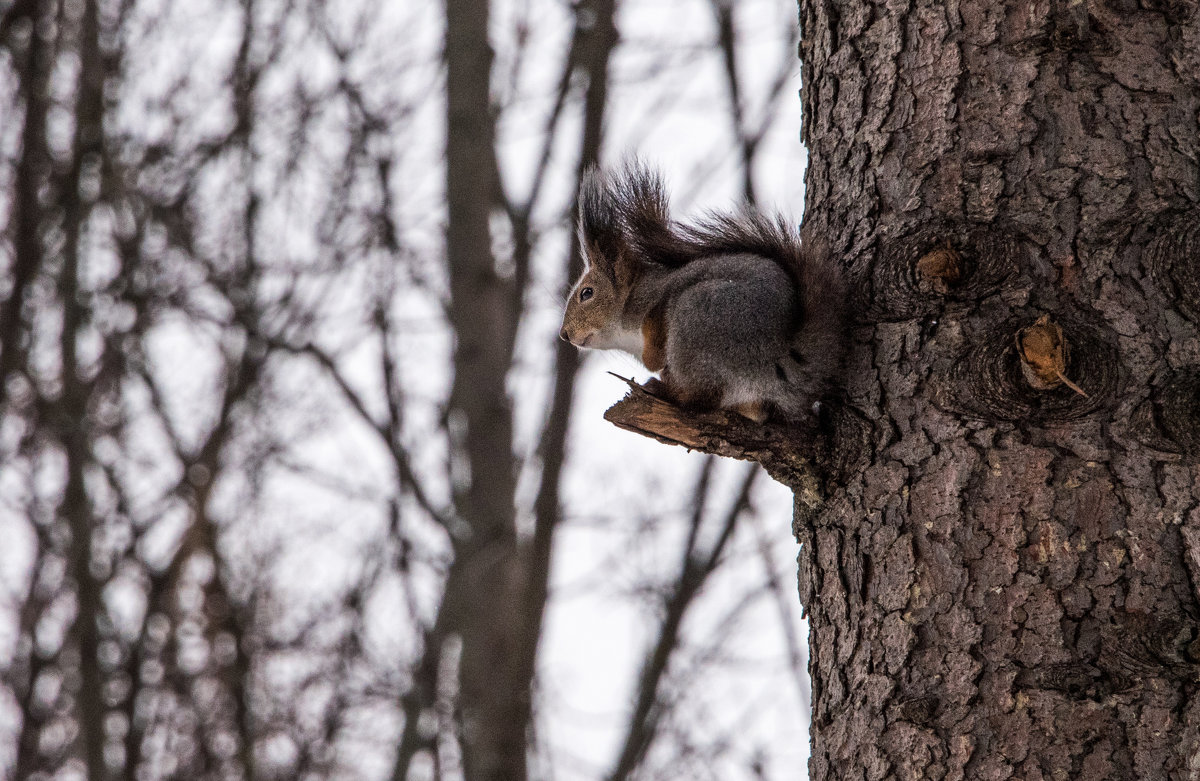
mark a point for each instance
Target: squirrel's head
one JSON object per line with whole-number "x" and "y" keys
{"x": 596, "y": 301}
{"x": 593, "y": 308}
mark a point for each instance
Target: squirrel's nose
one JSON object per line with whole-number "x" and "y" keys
{"x": 562, "y": 334}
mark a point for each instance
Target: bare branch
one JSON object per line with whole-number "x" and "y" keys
{"x": 399, "y": 455}
{"x": 650, "y": 708}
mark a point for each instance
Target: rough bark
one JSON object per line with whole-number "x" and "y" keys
{"x": 1005, "y": 588}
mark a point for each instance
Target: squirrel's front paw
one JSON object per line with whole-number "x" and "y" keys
{"x": 657, "y": 388}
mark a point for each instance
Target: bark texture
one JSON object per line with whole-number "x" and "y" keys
{"x": 1007, "y": 586}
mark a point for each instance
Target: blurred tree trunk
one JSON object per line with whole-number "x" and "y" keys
{"x": 1008, "y": 587}
{"x": 77, "y": 507}
{"x": 482, "y": 583}
{"x": 32, "y": 64}
{"x": 496, "y": 588}
{"x": 32, "y": 61}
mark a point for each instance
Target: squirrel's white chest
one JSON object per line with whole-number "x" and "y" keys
{"x": 617, "y": 338}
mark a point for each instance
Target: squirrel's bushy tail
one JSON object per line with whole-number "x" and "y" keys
{"x": 820, "y": 337}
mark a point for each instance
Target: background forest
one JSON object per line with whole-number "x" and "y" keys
{"x": 286, "y": 490}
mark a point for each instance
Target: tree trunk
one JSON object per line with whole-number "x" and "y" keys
{"x": 1005, "y": 588}
{"x": 481, "y": 584}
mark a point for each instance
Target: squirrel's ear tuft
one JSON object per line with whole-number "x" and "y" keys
{"x": 646, "y": 213}
{"x": 642, "y": 196}
{"x": 600, "y": 227}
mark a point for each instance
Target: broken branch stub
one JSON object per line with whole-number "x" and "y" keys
{"x": 1043, "y": 353}
{"x": 790, "y": 454}
{"x": 940, "y": 268}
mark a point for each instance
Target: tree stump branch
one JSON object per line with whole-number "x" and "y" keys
{"x": 796, "y": 456}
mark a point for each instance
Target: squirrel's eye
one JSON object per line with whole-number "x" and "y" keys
{"x": 585, "y": 294}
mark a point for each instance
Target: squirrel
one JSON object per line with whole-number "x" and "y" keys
{"x": 731, "y": 311}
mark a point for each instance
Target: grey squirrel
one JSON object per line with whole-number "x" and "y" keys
{"x": 731, "y": 310}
